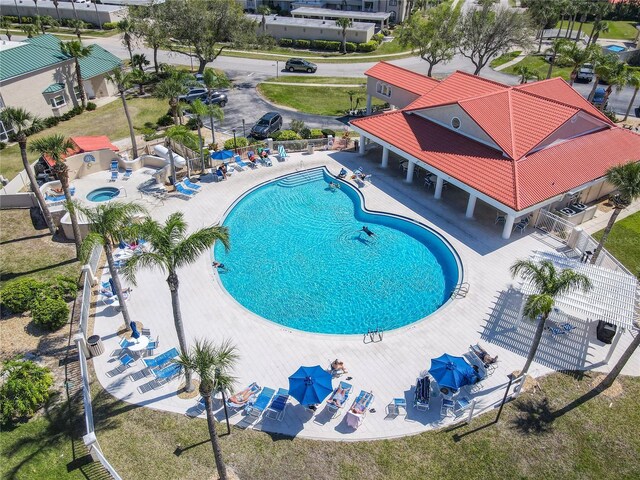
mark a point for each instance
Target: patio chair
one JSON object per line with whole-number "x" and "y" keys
{"x": 182, "y": 190}
{"x": 240, "y": 164}
{"x": 146, "y": 332}
{"x": 114, "y": 176}
{"x": 339, "y": 397}
{"x": 521, "y": 226}
{"x": 114, "y": 165}
{"x": 422, "y": 393}
{"x": 461, "y": 405}
{"x": 282, "y": 153}
{"x": 127, "y": 173}
{"x": 256, "y": 408}
{"x": 447, "y": 407}
{"x": 428, "y": 182}
{"x": 187, "y": 183}
{"x": 358, "y": 411}
{"x": 500, "y": 217}
{"x": 242, "y": 398}
{"x": 153, "y": 344}
{"x": 396, "y": 407}
{"x": 278, "y": 405}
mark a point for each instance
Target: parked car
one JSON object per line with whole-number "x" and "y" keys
{"x": 300, "y": 65}
{"x": 217, "y": 98}
{"x": 269, "y": 124}
{"x": 598, "y": 97}
{"x": 585, "y": 74}
{"x": 194, "y": 94}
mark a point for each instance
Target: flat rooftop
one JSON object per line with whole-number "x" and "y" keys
{"x": 308, "y": 22}
{"x": 328, "y": 12}
{"x": 8, "y": 7}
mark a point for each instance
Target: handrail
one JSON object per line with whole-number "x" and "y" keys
{"x": 460, "y": 291}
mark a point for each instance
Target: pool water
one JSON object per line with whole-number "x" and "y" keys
{"x": 616, "y": 48}
{"x": 103, "y": 194}
{"x": 298, "y": 257}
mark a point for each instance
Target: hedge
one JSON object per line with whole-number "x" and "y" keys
{"x": 369, "y": 46}
{"x": 302, "y": 43}
{"x": 25, "y": 389}
{"x": 327, "y": 131}
{"x": 18, "y": 295}
{"x": 378, "y": 37}
{"x": 50, "y": 312}
{"x": 305, "y": 133}
{"x": 284, "y": 135}
{"x": 316, "y": 133}
{"x": 285, "y": 42}
{"x": 351, "y": 47}
{"x": 239, "y": 142}
{"x": 109, "y": 25}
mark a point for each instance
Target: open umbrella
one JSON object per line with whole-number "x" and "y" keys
{"x": 310, "y": 385}
{"x": 223, "y": 155}
{"x": 451, "y": 372}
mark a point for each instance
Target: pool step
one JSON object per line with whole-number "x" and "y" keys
{"x": 301, "y": 179}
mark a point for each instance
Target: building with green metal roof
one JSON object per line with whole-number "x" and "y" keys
{"x": 37, "y": 76}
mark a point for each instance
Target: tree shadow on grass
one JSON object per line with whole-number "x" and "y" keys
{"x": 533, "y": 416}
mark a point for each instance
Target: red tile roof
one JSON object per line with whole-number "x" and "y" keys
{"x": 86, "y": 144}
{"x": 402, "y": 78}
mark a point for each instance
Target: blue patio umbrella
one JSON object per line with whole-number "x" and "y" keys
{"x": 310, "y": 385}
{"x": 134, "y": 330}
{"x": 223, "y": 155}
{"x": 451, "y": 371}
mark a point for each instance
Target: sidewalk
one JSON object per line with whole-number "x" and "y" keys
{"x": 601, "y": 218}
{"x": 518, "y": 59}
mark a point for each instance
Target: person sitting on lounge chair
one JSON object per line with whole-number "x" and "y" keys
{"x": 339, "y": 397}
{"x": 221, "y": 171}
{"x": 244, "y": 396}
{"x": 342, "y": 174}
{"x": 337, "y": 367}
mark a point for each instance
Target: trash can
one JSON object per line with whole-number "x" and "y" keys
{"x": 309, "y": 148}
{"x": 95, "y": 345}
{"x": 605, "y": 331}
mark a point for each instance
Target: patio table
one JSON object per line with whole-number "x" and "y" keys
{"x": 139, "y": 344}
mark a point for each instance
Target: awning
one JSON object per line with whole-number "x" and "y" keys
{"x": 613, "y": 296}
{"x": 54, "y": 88}
{"x": 86, "y": 144}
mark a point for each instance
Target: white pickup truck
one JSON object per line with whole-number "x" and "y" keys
{"x": 585, "y": 74}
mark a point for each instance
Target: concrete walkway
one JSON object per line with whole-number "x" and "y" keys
{"x": 271, "y": 352}
{"x": 350, "y": 85}
{"x": 518, "y": 59}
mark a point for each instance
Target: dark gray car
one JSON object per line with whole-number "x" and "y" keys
{"x": 269, "y": 124}
{"x": 300, "y": 65}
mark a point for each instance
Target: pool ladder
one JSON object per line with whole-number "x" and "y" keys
{"x": 461, "y": 290}
{"x": 373, "y": 336}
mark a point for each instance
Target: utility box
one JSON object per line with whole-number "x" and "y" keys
{"x": 605, "y": 331}
{"x": 95, "y": 345}
{"x": 310, "y": 148}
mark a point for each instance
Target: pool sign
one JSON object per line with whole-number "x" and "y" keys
{"x": 89, "y": 158}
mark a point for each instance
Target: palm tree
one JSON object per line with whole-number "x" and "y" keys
{"x": 351, "y": 93}
{"x": 122, "y": 81}
{"x": 626, "y": 179}
{"x": 577, "y": 57}
{"x": 603, "y": 66}
{"x": 18, "y": 120}
{"x": 599, "y": 26}
{"x": 212, "y": 81}
{"x": 179, "y": 134}
{"x": 107, "y": 223}
{"x": 209, "y": 362}
{"x": 344, "y": 23}
{"x": 264, "y": 11}
{"x": 557, "y": 48}
{"x": 617, "y": 78}
{"x": 56, "y": 147}
{"x": 75, "y": 13}
{"x": 200, "y": 111}
{"x": 95, "y": 4}
{"x": 75, "y": 49}
{"x": 171, "y": 88}
{"x": 5, "y": 24}
{"x": 526, "y": 73}
{"x": 584, "y": 8}
{"x": 633, "y": 81}
{"x": 139, "y": 78}
{"x": 77, "y": 26}
{"x": 170, "y": 249}
{"x": 550, "y": 284}
{"x": 139, "y": 61}
{"x": 30, "y": 30}
{"x": 127, "y": 28}
{"x": 37, "y": 9}
{"x": 55, "y": 4}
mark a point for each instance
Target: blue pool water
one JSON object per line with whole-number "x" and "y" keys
{"x": 616, "y": 48}
{"x": 103, "y": 194}
{"x": 298, "y": 258}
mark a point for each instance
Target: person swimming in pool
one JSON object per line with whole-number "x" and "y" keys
{"x": 366, "y": 230}
{"x": 334, "y": 185}
{"x": 219, "y": 265}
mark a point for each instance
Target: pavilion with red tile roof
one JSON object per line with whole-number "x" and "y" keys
{"x": 517, "y": 148}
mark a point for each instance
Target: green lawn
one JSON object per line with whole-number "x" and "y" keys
{"x": 502, "y": 59}
{"x": 313, "y": 79}
{"x": 107, "y": 120}
{"x": 624, "y": 242}
{"x": 539, "y": 64}
{"x": 618, "y": 30}
{"x": 331, "y": 101}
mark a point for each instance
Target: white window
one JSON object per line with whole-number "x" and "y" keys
{"x": 76, "y": 92}
{"x": 58, "y": 101}
{"x": 4, "y": 133}
{"x": 383, "y": 89}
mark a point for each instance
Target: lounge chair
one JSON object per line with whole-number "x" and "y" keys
{"x": 126, "y": 360}
{"x": 162, "y": 359}
{"x": 242, "y": 398}
{"x": 334, "y": 406}
{"x": 487, "y": 362}
{"x": 422, "y": 393}
{"x": 182, "y": 190}
{"x": 197, "y": 409}
{"x": 282, "y": 153}
{"x": 187, "y": 183}
{"x": 447, "y": 407}
{"x": 278, "y": 405}
{"x": 166, "y": 374}
{"x": 256, "y": 408}
{"x": 240, "y": 164}
{"x": 127, "y": 173}
{"x": 114, "y": 176}
{"x": 218, "y": 175}
{"x": 356, "y": 414}
{"x": 114, "y": 165}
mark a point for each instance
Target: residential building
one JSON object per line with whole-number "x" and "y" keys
{"x": 37, "y": 76}
{"x": 517, "y": 149}
{"x": 94, "y": 13}
{"x": 311, "y": 29}
{"x": 381, "y": 19}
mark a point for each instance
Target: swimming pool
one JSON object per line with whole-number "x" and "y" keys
{"x": 299, "y": 258}
{"x": 103, "y": 194}
{"x": 616, "y": 48}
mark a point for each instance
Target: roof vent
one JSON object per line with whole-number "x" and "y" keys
{"x": 455, "y": 122}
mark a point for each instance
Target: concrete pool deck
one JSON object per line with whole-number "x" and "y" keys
{"x": 270, "y": 352}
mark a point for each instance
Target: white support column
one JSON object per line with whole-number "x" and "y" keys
{"x": 87, "y": 269}
{"x": 385, "y": 157}
{"x": 471, "y": 205}
{"x": 439, "y": 184}
{"x": 508, "y": 226}
{"x": 410, "y": 168}
{"x": 361, "y": 149}
{"x": 369, "y": 104}
{"x": 81, "y": 344}
{"x": 614, "y": 343}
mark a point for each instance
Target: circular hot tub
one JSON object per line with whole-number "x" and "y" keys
{"x": 103, "y": 194}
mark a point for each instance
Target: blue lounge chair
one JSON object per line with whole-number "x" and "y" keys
{"x": 127, "y": 173}
{"x": 242, "y": 398}
{"x": 114, "y": 165}
{"x": 335, "y": 403}
{"x": 240, "y": 164}
{"x": 357, "y": 412}
{"x": 422, "y": 393}
{"x": 161, "y": 359}
{"x": 282, "y": 153}
{"x": 187, "y": 183}
{"x": 114, "y": 176}
{"x": 278, "y": 405}
{"x": 167, "y": 373}
{"x": 182, "y": 190}
{"x": 256, "y": 408}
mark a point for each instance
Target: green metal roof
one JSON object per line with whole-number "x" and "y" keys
{"x": 53, "y": 88}
{"x": 44, "y": 51}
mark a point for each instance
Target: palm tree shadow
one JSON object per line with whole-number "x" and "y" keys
{"x": 534, "y": 416}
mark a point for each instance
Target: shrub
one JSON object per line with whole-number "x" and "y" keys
{"x": 25, "y": 389}
{"x": 285, "y": 42}
{"x": 334, "y": 46}
{"x": 109, "y": 25}
{"x": 284, "y": 135}
{"x": 66, "y": 116}
{"x": 192, "y": 124}
{"x": 351, "y": 47}
{"x": 327, "y": 131}
{"x": 10, "y": 18}
{"x": 319, "y": 44}
{"x": 152, "y": 135}
{"x": 150, "y": 125}
{"x": 165, "y": 121}
{"x": 305, "y": 133}
{"x": 296, "y": 125}
{"x": 77, "y": 110}
{"x": 91, "y": 106}
{"x": 369, "y": 46}
{"x": 316, "y": 133}
{"x": 240, "y": 142}
{"x": 302, "y": 43}
{"x": 50, "y": 312}
{"x": 63, "y": 287}
{"x": 3, "y": 145}
{"x": 386, "y": 32}
{"x": 51, "y": 121}
{"x": 18, "y": 295}
{"x": 265, "y": 42}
